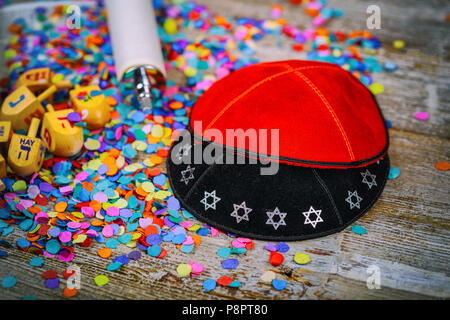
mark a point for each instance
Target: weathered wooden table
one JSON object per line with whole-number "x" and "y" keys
{"x": 407, "y": 236}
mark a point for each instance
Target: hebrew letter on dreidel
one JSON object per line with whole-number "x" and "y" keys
{"x": 24, "y": 148}
{"x": 12, "y": 104}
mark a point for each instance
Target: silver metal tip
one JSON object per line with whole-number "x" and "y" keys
{"x": 146, "y": 104}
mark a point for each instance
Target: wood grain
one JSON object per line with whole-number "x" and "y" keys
{"x": 408, "y": 230}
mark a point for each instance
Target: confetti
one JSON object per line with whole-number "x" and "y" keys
{"x": 225, "y": 281}
{"x": 442, "y": 165}
{"x": 276, "y": 258}
{"x": 52, "y": 283}
{"x": 268, "y": 276}
{"x": 104, "y": 253}
{"x": 358, "y": 229}
{"x": 101, "y": 280}
{"x": 279, "y": 284}
{"x": 393, "y": 173}
{"x": 69, "y": 292}
{"x": 423, "y": 116}
{"x": 224, "y": 252}
{"x": 8, "y": 282}
{"x": 209, "y": 284}
{"x": 230, "y": 264}
{"x": 36, "y": 262}
{"x": 184, "y": 270}
{"x": 302, "y": 258}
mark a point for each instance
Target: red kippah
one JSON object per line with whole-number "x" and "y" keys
{"x": 327, "y": 118}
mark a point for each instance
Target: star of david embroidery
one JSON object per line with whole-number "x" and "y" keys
{"x": 215, "y": 199}
{"x": 308, "y": 220}
{"x": 371, "y": 181}
{"x": 280, "y": 221}
{"x": 185, "y": 178}
{"x": 235, "y": 213}
{"x": 350, "y": 201}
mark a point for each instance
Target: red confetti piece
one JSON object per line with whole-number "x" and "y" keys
{"x": 224, "y": 281}
{"x": 50, "y": 274}
{"x": 276, "y": 258}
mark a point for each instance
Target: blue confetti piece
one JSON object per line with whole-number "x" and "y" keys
{"x": 53, "y": 246}
{"x": 125, "y": 238}
{"x": 282, "y": 247}
{"x": 230, "y": 263}
{"x": 36, "y": 262}
{"x": 209, "y": 284}
{"x": 187, "y": 248}
{"x": 154, "y": 251}
{"x": 393, "y": 173}
{"x": 358, "y": 229}
{"x": 235, "y": 284}
{"x": 9, "y": 282}
{"x": 279, "y": 284}
{"x": 112, "y": 243}
{"x": 113, "y": 266}
{"x": 224, "y": 252}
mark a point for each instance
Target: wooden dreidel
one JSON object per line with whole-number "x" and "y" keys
{"x": 40, "y": 79}
{"x": 92, "y": 105}
{"x": 26, "y": 153}
{"x": 22, "y": 105}
{"x": 59, "y": 135}
{"x": 5, "y": 135}
{"x": 2, "y": 172}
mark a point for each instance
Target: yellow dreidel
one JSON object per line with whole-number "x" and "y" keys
{"x": 26, "y": 153}
{"x": 22, "y": 105}
{"x": 5, "y": 134}
{"x": 59, "y": 135}
{"x": 5, "y": 129}
{"x": 2, "y": 172}
{"x": 40, "y": 79}
{"x": 91, "y": 103}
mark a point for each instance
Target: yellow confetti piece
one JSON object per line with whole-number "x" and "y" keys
{"x": 184, "y": 270}
{"x": 131, "y": 244}
{"x": 148, "y": 186}
{"x": 194, "y": 227}
{"x": 398, "y": 44}
{"x": 302, "y": 258}
{"x": 157, "y": 131}
{"x": 94, "y": 164}
{"x": 121, "y": 203}
{"x": 101, "y": 280}
{"x": 376, "y": 88}
{"x": 92, "y": 144}
{"x": 120, "y": 161}
{"x": 139, "y": 145}
{"x": 161, "y": 195}
{"x": 80, "y": 238}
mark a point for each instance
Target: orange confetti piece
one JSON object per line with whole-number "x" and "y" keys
{"x": 156, "y": 159}
{"x": 69, "y": 292}
{"x": 61, "y": 206}
{"x": 442, "y": 165}
{"x": 104, "y": 253}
